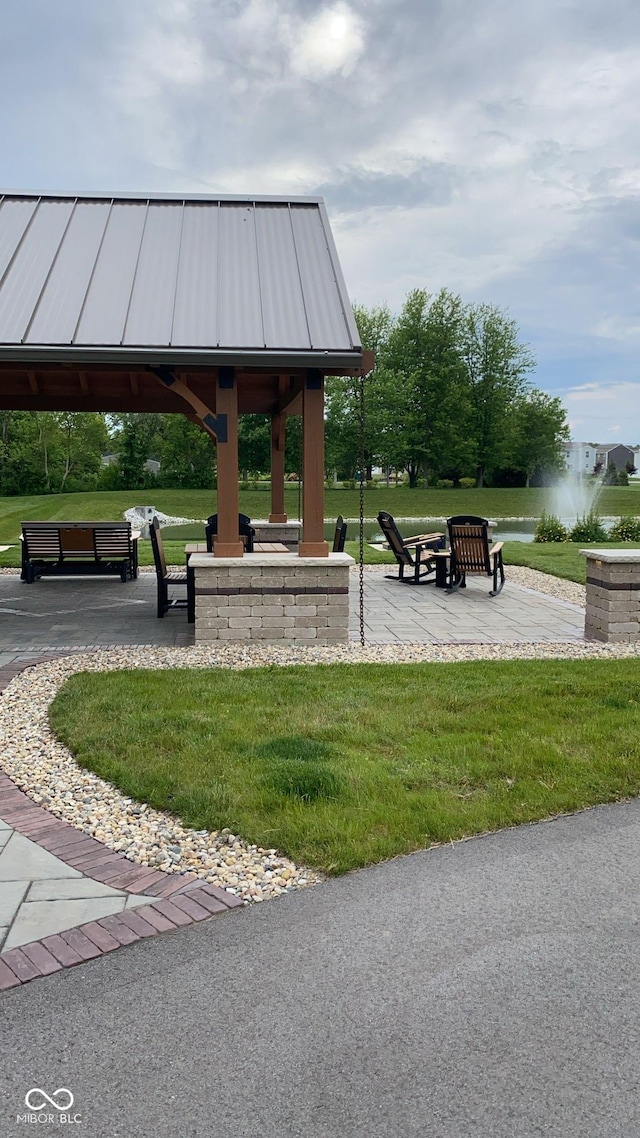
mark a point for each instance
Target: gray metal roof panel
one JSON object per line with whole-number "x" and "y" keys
{"x": 61, "y": 299}
{"x": 14, "y": 219}
{"x": 106, "y": 305}
{"x": 239, "y": 302}
{"x": 150, "y": 313}
{"x": 284, "y": 316}
{"x": 323, "y": 303}
{"x": 172, "y": 272}
{"x": 195, "y": 317}
{"x": 28, "y": 272}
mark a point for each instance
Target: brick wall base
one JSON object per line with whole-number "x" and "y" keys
{"x": 275, "y": 598}
{"x": 286, "y": 532}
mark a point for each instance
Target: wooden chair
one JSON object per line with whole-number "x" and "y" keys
{"x": 166, "y": 578}
{"x": 470, "y": 552}
{"x": 340, "y": 535}
{"x": 416, "y": 554}
{"x": 245, "y": 531}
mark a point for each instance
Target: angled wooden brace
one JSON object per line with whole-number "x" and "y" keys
{"x": 215, "y": 425}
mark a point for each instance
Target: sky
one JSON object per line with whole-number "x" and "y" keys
{"x": 486, "y": 146}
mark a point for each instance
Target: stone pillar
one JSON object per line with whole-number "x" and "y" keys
{"x": 613, "y": 595}
{"x": 272, "y": 598}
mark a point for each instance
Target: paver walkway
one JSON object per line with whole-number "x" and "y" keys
{"x": 66, "y": 898}
{"x": 40, "y": 894}
{"x": 398, "y": 613}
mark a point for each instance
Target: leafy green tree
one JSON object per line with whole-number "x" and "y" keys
{"x": 541, "y": 431}
{"x": 497, "y": 366}
{"x": 187, "y": 454}
{"x": 424, "y": 354}
{"x": 83, "y": 439}
{"x": 136, "y": 438}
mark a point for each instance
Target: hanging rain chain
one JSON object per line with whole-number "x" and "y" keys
{"x": 362, "y": 481}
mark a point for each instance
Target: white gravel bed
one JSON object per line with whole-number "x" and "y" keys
{"x": 46, "y": 771}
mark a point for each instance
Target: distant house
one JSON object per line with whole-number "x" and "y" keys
{"x": 152, "y": 464}
{"x": 583, "y": 458}
{"x": 580, "y": 457}
{"x": 616, "y": 455}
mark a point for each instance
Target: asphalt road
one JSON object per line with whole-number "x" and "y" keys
{"x": 486, "y": 989}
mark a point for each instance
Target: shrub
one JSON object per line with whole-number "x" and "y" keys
{"x": 550, "y": 528}
{"x": 467, "y": 483}
{"x": 349, "y": 484}
{"x": 445, "y": 484}
{"x": 625, "y": 529}
{"x": 623, "y": 478}
{"x": 588, "y": 528}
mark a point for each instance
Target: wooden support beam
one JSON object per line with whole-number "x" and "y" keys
{"x": 278, "y": 426}
{"x": 289, "y": 392}
{"x": 228, "y": 543}
{"x": 133, "y": 381}
{"x": 215, "y": 425}
{"x": 33, "y": 383}
{"x": 313, "y": 543}
{"x": 84, "y": 382}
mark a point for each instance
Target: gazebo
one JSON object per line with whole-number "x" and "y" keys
{"x": 208, "y": 306}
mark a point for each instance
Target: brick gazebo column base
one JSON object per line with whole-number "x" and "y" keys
{"x": 272, "y": 598}
{"x": 613, "y": 595}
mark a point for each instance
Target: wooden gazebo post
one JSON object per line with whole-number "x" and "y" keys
{"x": 313, "y": 543}
{"x": 278, "y": 424}
{"x": 228, "y": 543}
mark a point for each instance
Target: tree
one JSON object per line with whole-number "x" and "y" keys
{"x": 83, "y": 438}
{"x": 541, "y": 431}
{"x": 135, "y": 439}
{"x": 424, "y": 354}
{"x": 187, "y": 454}
{"x": 497, "y": 366}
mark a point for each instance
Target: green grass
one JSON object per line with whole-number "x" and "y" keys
{"x": 110, "y": 505}
{"x": 344, "y": 765}
{"x": 561, "y": 559}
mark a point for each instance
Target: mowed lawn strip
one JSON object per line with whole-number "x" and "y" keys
{"x": 339, "y": 766}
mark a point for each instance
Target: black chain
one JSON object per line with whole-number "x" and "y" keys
{"x": 300, "y": 475}
{"x": 362, "y": 473}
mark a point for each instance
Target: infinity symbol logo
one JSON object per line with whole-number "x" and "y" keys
{"x": 65, "y": 1104}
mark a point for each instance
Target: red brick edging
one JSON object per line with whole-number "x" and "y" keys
{"x": 182, "y": 899}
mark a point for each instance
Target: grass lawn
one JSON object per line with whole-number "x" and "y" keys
{"x": 110, "y": 505}
{"x": 340, "y": 766}
{"x": 561, "y": 559}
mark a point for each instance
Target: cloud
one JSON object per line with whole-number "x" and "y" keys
{"x": 487, "y": 147}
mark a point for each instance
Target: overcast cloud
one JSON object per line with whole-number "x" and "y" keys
{"x": 488, "y": 147}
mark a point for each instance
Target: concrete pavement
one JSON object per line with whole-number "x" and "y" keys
{"x": 486, "y": 989}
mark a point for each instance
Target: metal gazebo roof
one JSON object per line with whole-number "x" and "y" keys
{"x": 188, "y": 280}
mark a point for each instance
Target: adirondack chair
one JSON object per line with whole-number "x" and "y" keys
{"x": 245, "y": 531}
{"x": 470, "y": 553}
{"x": 340, "y": 535}
{"x": 167, "y": 578}
{"x": 413, "y": 554}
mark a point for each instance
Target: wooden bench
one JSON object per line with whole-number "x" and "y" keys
{"x": 72, "y": 548}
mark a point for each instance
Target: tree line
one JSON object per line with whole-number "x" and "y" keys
{"x": 450, "y": 397}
